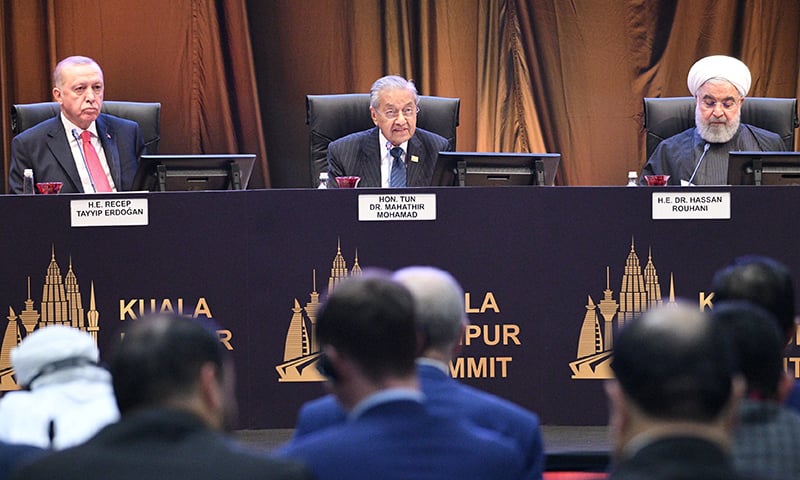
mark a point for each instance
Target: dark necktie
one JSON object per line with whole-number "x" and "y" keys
{"x": 397, "y": 176}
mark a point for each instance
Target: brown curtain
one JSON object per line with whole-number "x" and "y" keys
{"x": 193, "y": 56}
{"x": 539, "y": 75}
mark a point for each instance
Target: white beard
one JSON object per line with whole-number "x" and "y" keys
{"x": 716, "y": 133}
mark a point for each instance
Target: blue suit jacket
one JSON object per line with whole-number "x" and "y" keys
{"x": 400, "y": 439}
{"x": 359, "y": 154}
{"x": 45, "y": 149}
{"x": 13, "y": 456}
{"x": 446, "y": 396}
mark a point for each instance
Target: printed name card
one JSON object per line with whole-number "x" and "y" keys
{"x": 400, "y": 206}
{"x": 691, "y": 205}
{"x": 109, "y": 212}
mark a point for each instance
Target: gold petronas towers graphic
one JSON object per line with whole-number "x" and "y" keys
{"x": 301, "y": 349}
{"x": 639, "y": 290}
{"x": 61, "y": 304}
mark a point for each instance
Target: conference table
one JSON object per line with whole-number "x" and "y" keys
{"x": 542, "y": 269}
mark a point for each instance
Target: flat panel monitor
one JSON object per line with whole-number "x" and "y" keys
{"x": 163, "y": 173}
{"x": 764, "y": 168}
{"x": 495, "y": 169}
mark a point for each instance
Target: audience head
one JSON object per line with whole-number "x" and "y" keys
{"x": 366, "y": 333}
{"x": 172, "y": 361}
{"x": 763, "y": 281}
{"x": 52, "y": 349}
{"x": 394, "y": 105}
{"x": 674, "y": 373}
{"x": 438, "y": 308}
{"x": 758, "y": 346}
{"x": 719, "y": 85}
{"x": 78, "y": 86}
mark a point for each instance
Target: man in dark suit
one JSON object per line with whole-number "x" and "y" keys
{"x": 368, "y": 340}
{"x": 173, "y": 381}
{"x": 767, "y": 283}
{"x": 395, "y": 153}
{"x": 673, "y": 402}
{"x": 441, "y": 321}
{"x": 767, "y": 434}
{"x": 56, "y": 151}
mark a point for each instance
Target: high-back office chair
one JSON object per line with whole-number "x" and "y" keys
{"x": 665, "y": 117}
{"x": 333, "y": 116}
{"x": 147, "y": 115}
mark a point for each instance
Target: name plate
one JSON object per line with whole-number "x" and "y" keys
{"x": 397, "y": 206}
{"x": 691, "y": 206}
{"x": 109, "y": 212}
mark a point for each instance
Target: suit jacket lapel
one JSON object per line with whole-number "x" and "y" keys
{"x": 371, "y": 159}
{"x": 413, "y": 168}
{"x": 108, "y": 140}
{"x": 59, "y": 146}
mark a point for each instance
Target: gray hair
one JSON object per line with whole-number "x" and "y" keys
{"x": 390, "y": 82}
{"x": 70, "y": 61}
{"x": 438, "y": 304}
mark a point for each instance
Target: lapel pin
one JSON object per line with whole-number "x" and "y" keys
{"x": 414, "y": 158}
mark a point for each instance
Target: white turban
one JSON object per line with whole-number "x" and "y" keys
{"x": 719, "y": 66}
{"x": 48, "y": 345}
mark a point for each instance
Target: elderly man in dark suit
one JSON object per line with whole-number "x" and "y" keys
{"x": 85, "y": 150}
{"x": 393, "y": 154}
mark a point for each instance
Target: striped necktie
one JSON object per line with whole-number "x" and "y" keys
{"x": 397, "y": 176}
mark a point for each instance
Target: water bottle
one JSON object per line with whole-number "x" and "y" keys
{"x": 633, "y": 179}
{"x": 323, "y": 180}
{"x": 27, "y": 182}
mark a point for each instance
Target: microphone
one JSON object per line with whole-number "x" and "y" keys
{"x": 705, "y": 150}
{"x": 83, "y": 157}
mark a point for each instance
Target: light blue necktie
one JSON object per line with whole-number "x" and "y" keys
{"x": 397, "y": 176}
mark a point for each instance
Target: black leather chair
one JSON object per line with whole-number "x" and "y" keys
{"x": 333, "y": 116}
{"x": 664, "y": 117}
{"x": 146, "y": 114}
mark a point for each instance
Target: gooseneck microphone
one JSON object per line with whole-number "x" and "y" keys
{"x": 83, "y": 157}
{"x": 705, "y": 150}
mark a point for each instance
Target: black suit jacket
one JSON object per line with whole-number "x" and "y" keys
{"x": 44, "y": 148}
{"x": 687, "y": 458}
{"x": 159, "y": 445}
{"x": 359, "y": 154}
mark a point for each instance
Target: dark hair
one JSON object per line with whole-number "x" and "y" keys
{"x": 160, "y": 357}
{"x": 757, "y": 344}
{"x": 763, "y": 281}
{"x": 674, "y": 364}
{"x": 371, "y": 319}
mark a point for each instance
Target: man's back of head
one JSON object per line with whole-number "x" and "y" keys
{"x": 672, "y": 404}
{"x": 160, "y": 361}
{"x": 762, "y": 281}
{"x": 757, "y": 344}
{"x": 438, "y": 307}
{"x": 370, "y": 320}
{"x": 672, "y": 366}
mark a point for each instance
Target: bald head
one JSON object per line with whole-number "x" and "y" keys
{"x": 673, "y": 363}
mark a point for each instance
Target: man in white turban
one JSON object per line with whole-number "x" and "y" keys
{"x": 699, "y": 155}
{"x": 66, "y": 398}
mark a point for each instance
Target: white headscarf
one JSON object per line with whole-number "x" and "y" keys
{"x": 722, "y": 67}
{"x": 48, "y": 345}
